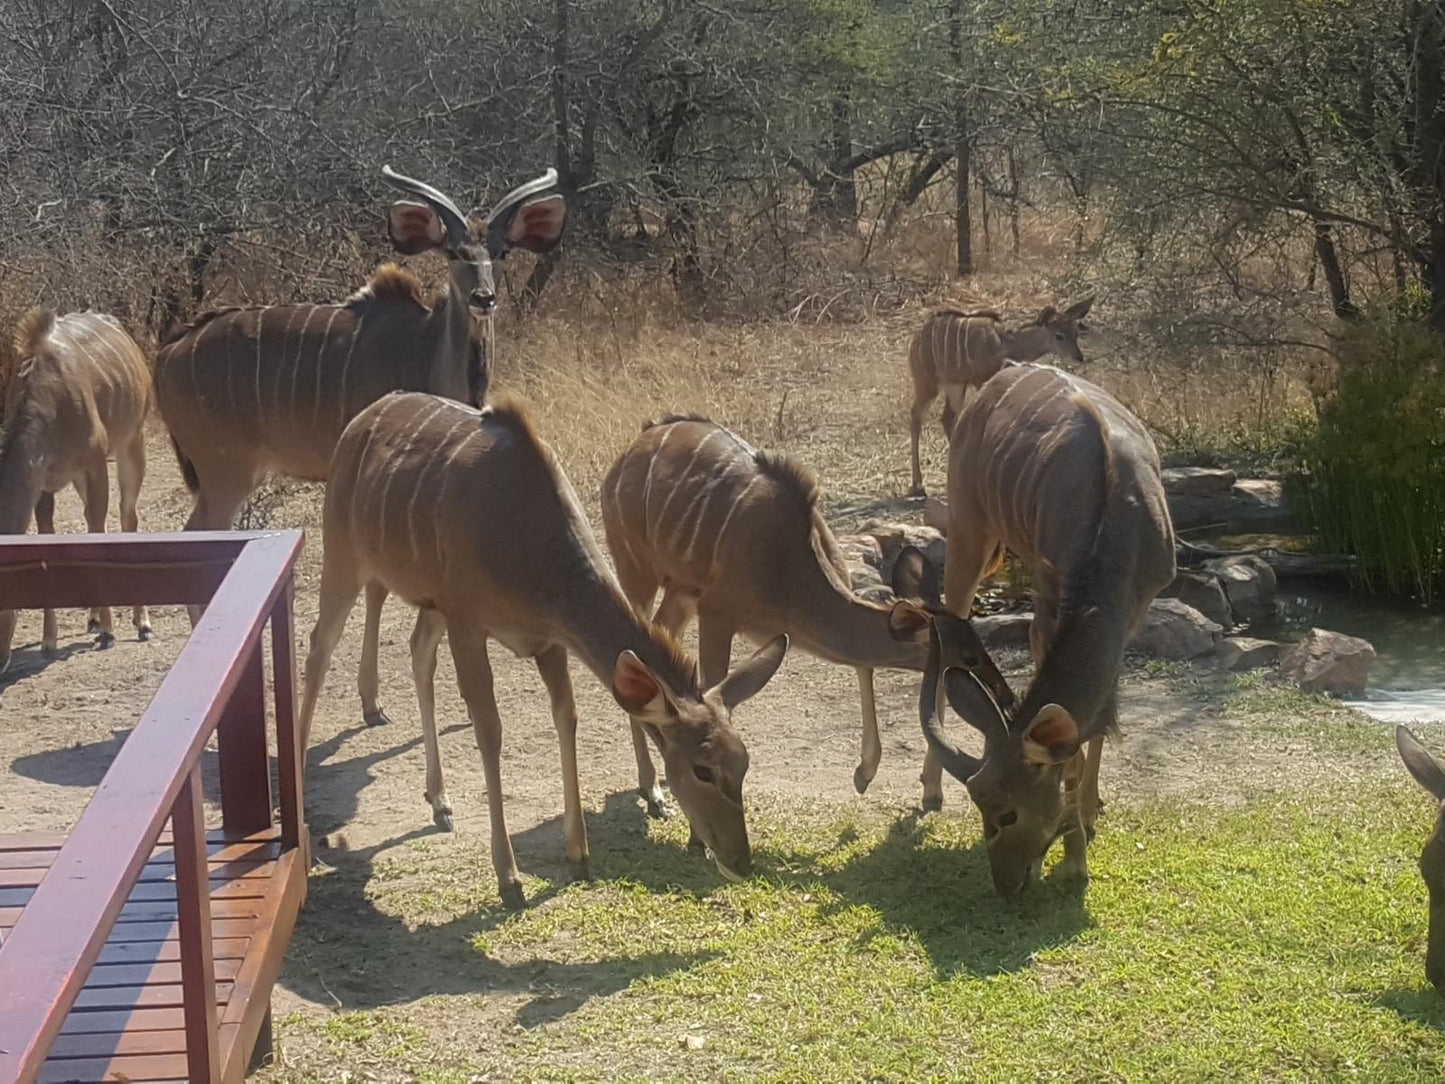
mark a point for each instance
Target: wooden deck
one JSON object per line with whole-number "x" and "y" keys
{"x": 129, "y": 1021}
{"x": 141, "y": 946}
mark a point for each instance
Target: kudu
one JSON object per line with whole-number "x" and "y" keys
{"x": 735, "y": 536}
{"x": 1055, "y": 469}
{"x": 954, "y": 351}
{"x": 79, "y": 393}
{"x": 467, "y": 515}
{"x": 1430, "y": 774}
{"x": 251, "y": 390}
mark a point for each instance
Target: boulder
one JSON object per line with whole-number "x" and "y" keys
{"x": 1004, "y": 630}
{"x": 861, "y": 549}
{"x": 1204, "y": 592}
{"x": 935, "y": 514}
{"x": 1249, "y": 583}
{"x": 892, "y": 537}
{"x": 1328, "y": 662}
{"x": 1197, "y": 481}
{"x": 1175, "y": 630}
{"x": 1246, "y": 653}
{"x": 1251, "y": 504}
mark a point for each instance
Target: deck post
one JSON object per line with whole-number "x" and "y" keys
{"x": 241, "y": 739}
{"x": 290, "y": 757}
{"x": 193, "y": 916}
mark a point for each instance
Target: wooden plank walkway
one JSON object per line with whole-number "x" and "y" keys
{"x": 128, "y": 1022}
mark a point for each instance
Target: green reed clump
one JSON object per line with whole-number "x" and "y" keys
{"x": 1377, "y": 469}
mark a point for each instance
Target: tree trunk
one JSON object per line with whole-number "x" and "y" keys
{"x": 835, "y": 198}
{"x": 962, "y": 220}
{"x": 1014, "y": 196}
{"x": 544, "y": 268}
{"x": 1329, "y": 262}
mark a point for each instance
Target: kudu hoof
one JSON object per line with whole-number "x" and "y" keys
{"x": 49, "y": 651}
{"x": 442, "y": 818}
{"x": 917, "y": 491}
{"x": 144, "y": 633}
{"x": 861, "y": 778}
{"x": 513, "y": 898}
{"x": 105, "y": 640}
{"x": 581, "y": 869}
{"x": 695, "y": 843}
{"x": 931, "y": 805}
{"x": 1089, "y": 832}
{"x": 92, "y": 626}
{"x": 657, "y": 808}
{"x": 375, "y": 718}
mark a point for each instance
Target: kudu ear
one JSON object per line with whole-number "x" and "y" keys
{"x": 1428, "y": 771}
{"x": 1051, "y": 737}
{"x": 972, "y": 703}
{"x": 639, "y": 691}
{"x": 1079, "y": 309}
{"x": 414, "y": 228}
{"x": 1047, "y": 315}
{"x": 908, "y": 622}
{"x": 915, "y": 577}
{"x": 749, "y": 678}
{"x": 531, "y": 216}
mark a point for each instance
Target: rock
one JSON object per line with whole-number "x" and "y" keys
{"x": 1197, "y": 481}
{"x": 892, "y": 537}
{"x": 1204, "y": 592}
{"x": 1004, "y": 630}
{"x": 1175, "y": 630}
{"x": 1250, "y": 505}
{"x": 1246, "y": 653}
{"x": 1328, "y": 662}
{"x": 861, "y": 549}
{"x": 935, "y": 514}
{"x": 1249, "y": 583}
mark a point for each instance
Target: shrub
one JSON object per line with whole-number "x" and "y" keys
{"x": 1377, "y": 479}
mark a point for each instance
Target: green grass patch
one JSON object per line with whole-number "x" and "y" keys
{"x": 1280, "y": 942}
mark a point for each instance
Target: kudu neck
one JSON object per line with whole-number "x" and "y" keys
{"x": 1027, "y": 343}
{"x": 600, "y": 626}
{"x": 830, "y": 621}
{"x": 1081, "y": 666}
{"x": 22, "y": 447}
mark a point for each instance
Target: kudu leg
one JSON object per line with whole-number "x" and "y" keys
{"x": 426, "y": 637}
{"x": 922, "y": 400}
{"x": 130, "y": 470}
{"x": 215, "y": 510}
{"x": 339, "y": 588}
{"x": 872, "y": 751}
{"x": 673, "y": 614}
{"x": 94, "y": 489}
{"x": 474, "y": 675}
{"x": 368, "y": 678}
{"x": 552, "y": 665}
{"x": 45, "y": 524}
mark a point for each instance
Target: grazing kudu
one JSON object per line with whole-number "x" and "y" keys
{"x": 252, "y": 390}
{"x": 467, "y": 515}
{"x": 1430, "y": 774}
{"x": 735, "y": 536}
{"x": 1055, "y": 469}
{"x": 954, "y": 351}
{"x": 78, "y": 394}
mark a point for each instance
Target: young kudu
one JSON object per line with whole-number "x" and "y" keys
{"x": 1058, "y": 471}
{"x": 248, "y": 391}
{"x": 736, "y": 537}
{"x": 78, "y": 394}
{"x": 1430, "y": 774}
{"x": 467, "y": 515}
{"x": 954, "y": 351}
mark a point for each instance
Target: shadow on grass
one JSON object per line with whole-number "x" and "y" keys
{"x": 1419, "y": 1004}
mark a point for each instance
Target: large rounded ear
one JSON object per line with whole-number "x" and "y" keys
{"x": 1051, "y": 737}
{"x": 749, "y": 678}
{"x": 915, "y": 577}
{"x": 908, "y": 622}
{"x": 414, "y": 228}
{"x": 1047, "y": 315}
{"x": 1079, "y": 309}
{"x": 531, "y": 216}
{"x": 972, "y": 702}
{"x": 1428, "y": 771}
{"x": 639, "y": 691}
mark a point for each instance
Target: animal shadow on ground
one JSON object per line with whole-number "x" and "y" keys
{"x": 84, "y": 765}
{"x": 1421, "y": 1004}
{"x": 919, "y": 886}
{"x": 28, "y": 660}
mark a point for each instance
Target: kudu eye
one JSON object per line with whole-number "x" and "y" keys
{"x": 703, "y": 773}
{"x": 1005, "y": 820}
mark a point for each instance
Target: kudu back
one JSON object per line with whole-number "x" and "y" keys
{"x": 954, "y": 351}
{"x": 79, "y": 393}
{"x": 1055, "y": 469}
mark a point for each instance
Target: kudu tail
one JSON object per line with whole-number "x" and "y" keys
{"x": 188, "y": 469}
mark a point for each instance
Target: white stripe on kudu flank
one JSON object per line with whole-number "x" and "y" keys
{"x": 281, "y": 366}
{"x": 296, "y": 362}
{"x": 700, "y": 502}
{"x": 446, "y": 476}
{"x": 346, "y": 367}
{"x": 421, "y": 484}
{"x": 647, "y": 485}
{"x": 722, "y": 530}
{"x": 320, "y": 369}
{"x": 198, "y": 335}
{"x": 683, "y": 479}
{"x": 394, "y": 464}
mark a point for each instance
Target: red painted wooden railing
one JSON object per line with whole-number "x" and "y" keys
{"x": 216, "y": 685}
